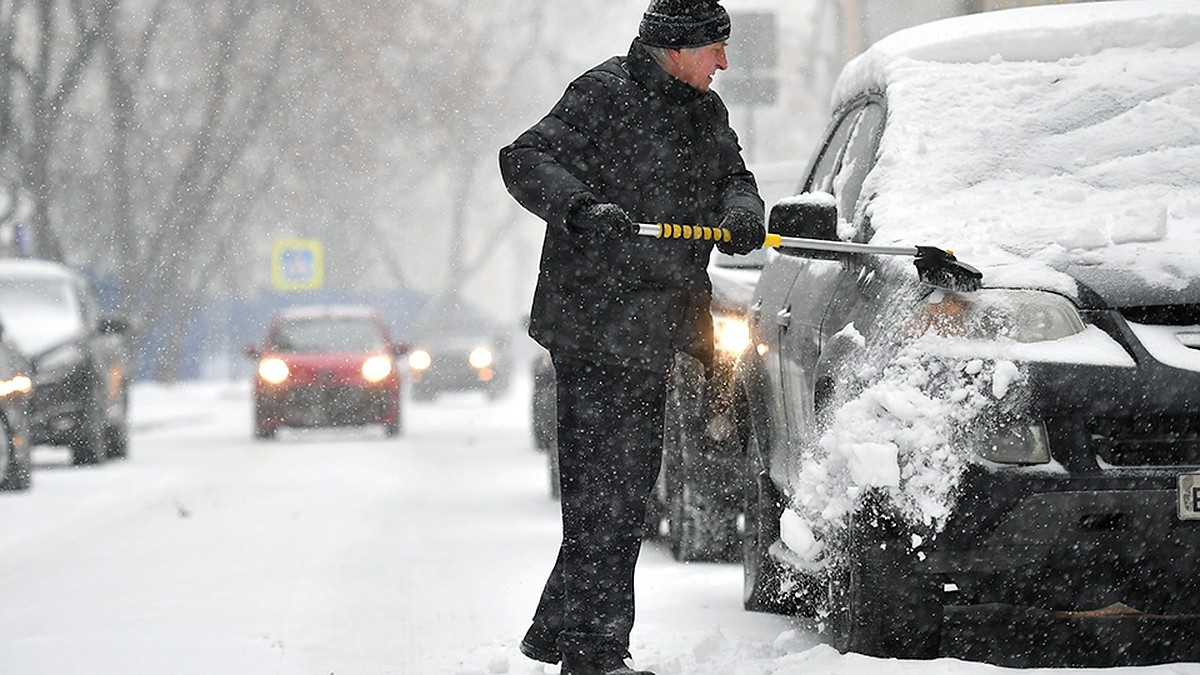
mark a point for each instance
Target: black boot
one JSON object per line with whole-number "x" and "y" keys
{"x": 540, "y": 651}
{"x": 540, "y": 644}
{"x": 607, "y": 664}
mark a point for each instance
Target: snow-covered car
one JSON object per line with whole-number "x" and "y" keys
{"x": 16, "y": 462}
{"x": 923, "y": 456}
{"x": 326, "y": 366}
{"x": 78, "y": 355}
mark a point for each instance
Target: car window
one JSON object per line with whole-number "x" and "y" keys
{"x": 327, "y": 335}
{"x": 857, "y": 162}
{"x": 826, "y": 166}
{"x": 39, "y": 313}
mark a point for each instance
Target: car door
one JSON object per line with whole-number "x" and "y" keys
{"x": 820, "y": 281}
{"x": 772, "y": 309}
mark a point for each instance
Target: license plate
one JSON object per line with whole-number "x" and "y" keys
{"x": 1189, "y": 496}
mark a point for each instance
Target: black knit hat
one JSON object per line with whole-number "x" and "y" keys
{"x": 684, "y": 24}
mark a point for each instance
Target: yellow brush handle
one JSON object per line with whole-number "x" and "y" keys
{"x": 677, "y": 231}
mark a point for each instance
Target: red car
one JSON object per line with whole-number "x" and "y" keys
{"x": 326, "y": 366}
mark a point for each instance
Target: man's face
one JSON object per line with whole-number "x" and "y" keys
{"x": 697, "y": 66}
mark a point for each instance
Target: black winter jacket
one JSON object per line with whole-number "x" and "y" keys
{"x": 629, "y": 133}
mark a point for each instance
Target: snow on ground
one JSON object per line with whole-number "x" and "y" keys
{"x": 341, "y": 551}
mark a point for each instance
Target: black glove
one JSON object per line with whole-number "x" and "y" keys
{"x": 746, "y": 232}
{"x": 602, "y": 220}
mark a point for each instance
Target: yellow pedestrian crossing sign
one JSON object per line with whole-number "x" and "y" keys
{"x": 298, "y": 264}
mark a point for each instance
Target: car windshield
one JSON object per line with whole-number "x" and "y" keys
{"x": 351, "y": 334}
{"x": 39, "y": 313}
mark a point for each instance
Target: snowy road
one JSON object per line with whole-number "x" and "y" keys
{"x": 338, "y": 552}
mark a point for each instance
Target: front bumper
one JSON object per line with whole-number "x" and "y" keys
{"x": 449, "y": 376}
{"x": 326, "y": 405}
{"x": 57, "y": 411}
{"x": 1070, "y": 544}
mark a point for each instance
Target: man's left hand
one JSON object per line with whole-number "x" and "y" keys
{"x": 746, "y": 232}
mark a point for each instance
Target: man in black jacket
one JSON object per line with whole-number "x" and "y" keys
{"x": 637, "y": 138}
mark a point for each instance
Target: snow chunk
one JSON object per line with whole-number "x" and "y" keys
{"x": 1006, "y": 372}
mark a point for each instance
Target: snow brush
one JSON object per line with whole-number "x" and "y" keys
{"x": 935, "y": 266}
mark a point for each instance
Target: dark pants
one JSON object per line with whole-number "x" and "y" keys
{"x": 610, "y": 421}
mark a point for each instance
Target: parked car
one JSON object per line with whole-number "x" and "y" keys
{"x": 79, "y": 358}
{"x": 326, "y": 366}
{"x": 16, "y": 462}
{"x": 920, "y": 455}
{"x": 457, "y": 353}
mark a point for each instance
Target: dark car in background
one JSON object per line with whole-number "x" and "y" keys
{"x": 16, "y": 464}
{"x": 454, "y": 352}
{"x": 327, "y": 366}
{"x": 78, "y": 355}
{"x": 1022, "y": 457}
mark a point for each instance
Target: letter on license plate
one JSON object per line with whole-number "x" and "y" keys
{"x": 1189, "y": 497}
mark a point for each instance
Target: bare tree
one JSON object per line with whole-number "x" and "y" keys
{"x": 38, "y": 84}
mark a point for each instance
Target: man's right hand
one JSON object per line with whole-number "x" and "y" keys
{"x": 603, "y": 220}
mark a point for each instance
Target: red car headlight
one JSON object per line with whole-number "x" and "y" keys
{"x": 273, "y": 370}
{"x": 376, "y": 368}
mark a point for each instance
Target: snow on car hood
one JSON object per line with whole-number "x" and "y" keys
{"x": 1045, "y": 170}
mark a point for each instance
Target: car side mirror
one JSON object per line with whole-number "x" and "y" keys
{"x": 812, "y": 215}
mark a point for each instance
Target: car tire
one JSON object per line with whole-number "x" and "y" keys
{"x": 701, "y": 520}
{"x": 89, "y": 443}
{"x": 18, "y": 470}
{"x": 878, "y": 604}
{"x": 263, "y": 432}
{"x": 116, "y": 435}
{"x": 766, "y": 585}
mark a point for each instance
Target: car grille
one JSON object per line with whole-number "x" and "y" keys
{"x": 1148, "y": 440}
{"x": 334, "y": 404}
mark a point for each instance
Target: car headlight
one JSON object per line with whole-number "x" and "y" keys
{"x": 19, "y": 384}
{"x": 419, "y": 360}
{"x": 273, "y": 370}
{"x": 481, "y": 357}
{"x": 731, "y": 334}
{"x": 995, "y": 314}
{"x": 376, "y": 368}
{"x": 66, "y": 357}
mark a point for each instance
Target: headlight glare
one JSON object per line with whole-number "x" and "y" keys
{"x": 998, "y": 314}
{"x": 376, "y": 368}
{"x": 481, "y": 357}
{"x": 419, "y": 360}
{"x": 273, "y": 370}
{"x": 731, "y": 335}
{"x": 19, "y": 384}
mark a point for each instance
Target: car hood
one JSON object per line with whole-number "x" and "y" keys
{"x": 332, "y": 361}
{"x": 1102, "y": 286}
{"x": 732, "y": 287}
